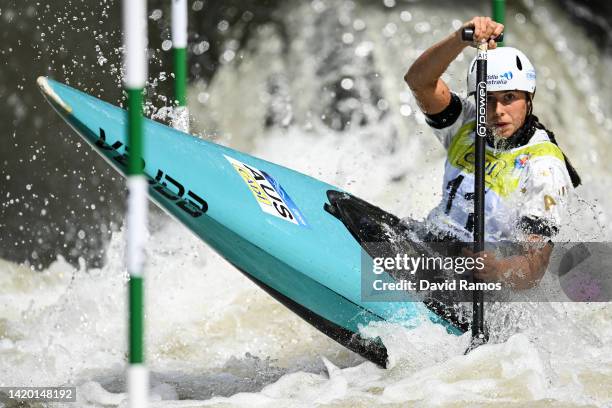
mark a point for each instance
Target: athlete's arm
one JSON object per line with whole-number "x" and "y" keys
{"x": 543, "y": 206}
{"x": 423, "y": 77}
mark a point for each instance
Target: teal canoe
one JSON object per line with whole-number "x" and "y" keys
{"x": 296, "y": 237}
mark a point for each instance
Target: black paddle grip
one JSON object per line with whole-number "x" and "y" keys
{"x": 467, "y": 34}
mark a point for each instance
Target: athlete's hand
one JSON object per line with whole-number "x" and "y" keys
{"x": 518, "y": 271}
{"x": 485, "y": 29}
{"x": 494, "y": 268}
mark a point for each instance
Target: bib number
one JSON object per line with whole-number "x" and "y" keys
{"x": 453, "y": 187}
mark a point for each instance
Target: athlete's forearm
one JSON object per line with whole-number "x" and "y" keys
{"x": 424, "y": 76}
{"x": 525, "y": 271}
{"x": 429, "y": 67}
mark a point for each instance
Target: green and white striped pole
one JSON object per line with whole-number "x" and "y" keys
{"x": 179, "y": 47}
{"x": 135, "y": 58}
{"x": 499, "y": 15}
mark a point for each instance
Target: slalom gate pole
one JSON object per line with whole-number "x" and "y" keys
{"x": 179, "y": 50}
{"x": 499, "y": 14}
{"x": 135, "y": 58}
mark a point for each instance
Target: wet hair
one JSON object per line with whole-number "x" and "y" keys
{"x": 573, "y": 173}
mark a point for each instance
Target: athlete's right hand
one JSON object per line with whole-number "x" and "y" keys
{"x": 485, "y": 29}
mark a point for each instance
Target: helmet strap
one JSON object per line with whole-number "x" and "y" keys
{"x": 529, "y": 98}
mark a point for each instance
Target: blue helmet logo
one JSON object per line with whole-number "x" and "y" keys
{"x": 531, "y": 75}
{"x": 508, "y": 75}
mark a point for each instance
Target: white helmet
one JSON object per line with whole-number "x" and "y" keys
{"x": 508, "y": 69}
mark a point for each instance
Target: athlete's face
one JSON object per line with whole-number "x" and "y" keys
{"x": 506, "y": 112}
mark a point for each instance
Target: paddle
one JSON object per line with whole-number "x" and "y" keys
{"x": 479, "y": 334}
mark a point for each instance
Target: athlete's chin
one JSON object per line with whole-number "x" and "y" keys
{"x": 505, "y": 131}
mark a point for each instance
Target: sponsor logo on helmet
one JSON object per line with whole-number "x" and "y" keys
{"x": 494, "y": 79}
{"x": 531, "y": 75}
{"x": 508, "y": 75}
{"x": 521, "y": 161}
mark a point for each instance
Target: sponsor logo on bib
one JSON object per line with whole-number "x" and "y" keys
{"x": 521, "y": 161}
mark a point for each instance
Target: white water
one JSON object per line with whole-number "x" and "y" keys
{"x": 215, "y": 339}
{"x": 212, "y": 332}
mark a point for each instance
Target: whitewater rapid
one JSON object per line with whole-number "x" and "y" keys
{"x": 216, "y": 339}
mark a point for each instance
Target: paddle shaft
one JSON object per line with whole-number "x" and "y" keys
{"x": 479, "y": 334}
{"x": 478, "y": 331}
